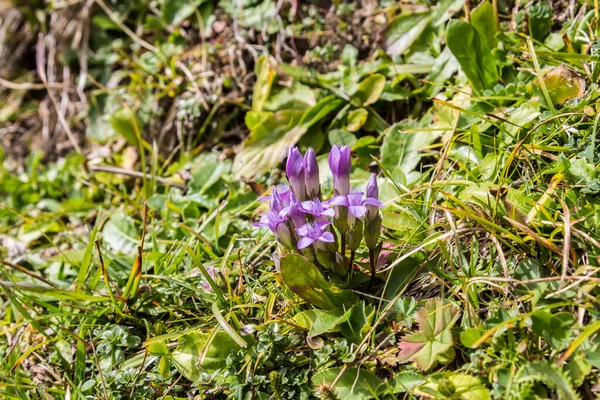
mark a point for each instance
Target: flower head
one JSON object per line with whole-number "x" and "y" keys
{"x": 317, "y": 209}
{"x": 311, "y": 233}
{"x": 276, "y": 222}
{"x": 340, "y": 165}
{"x": 281, "y": 198}
{"x": 294, "y": 169}
{"x": 355, "y": 203}
{"x": 311, "y": 174}
{"x": 372, "y": 192}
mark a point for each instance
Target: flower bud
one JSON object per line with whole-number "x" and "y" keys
{"x": 340, "y": 165}
{"x": 311, "y": 174}
{"x": 295, "y": 173}
{"x": 372, "y": 192}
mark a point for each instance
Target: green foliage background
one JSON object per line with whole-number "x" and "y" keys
{"x": 139, "y": 136}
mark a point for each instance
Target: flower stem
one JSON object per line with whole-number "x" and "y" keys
{"x": 372, "y": 263}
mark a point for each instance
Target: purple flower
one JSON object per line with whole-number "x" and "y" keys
{"x": 280, "y": 199}
{"x": 355, "y": 203}
{"x": 372, "y": 192}
{"x": 296, "y": 213}
{"x": 340, "y": 165}
{"x": 311, "y": 233}
{"x": 311, "y": 174}
{"x": 276, "y": 222}
{"x": 294, "y": 169}
{"x": 317, "y": 209}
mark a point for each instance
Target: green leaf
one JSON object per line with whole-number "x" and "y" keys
{"x": 482, "y": 19}
{"x": 265, "y": 75}
{"x": 127, "y": 124}
{"x": 564, "y": 85}
{"x": 329, "y": 321}
{"x": 550, "y": 375}
{"x": 403, "y": 31}
{"x": 402, "y": 145}
{"x": 271, "y": 135}
{"x": 304, "y": 278}
{"x": 555, "y": 328}
{"x": 454, "y": 385}
{"x": 120, "y": 233}
{"x": 356, "y": 119}
{"x": 473, "y": 54}
{"x": 433, "y": 338}
{"x": 306, "y": 319}
{"x": 406, "y": 381}
{"x": 369, "y": 90}
{"x": 174, "y": 12}
{"x": 358, "y": 323}
{"x": 470, "y": 336}
{"x": 195, "y": 354}
{"x": 158, "y": 349}
{"x": 341, "y": 137}
{"x": 354, "y": 384}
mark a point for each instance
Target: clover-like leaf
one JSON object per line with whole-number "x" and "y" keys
{"x": 433, "y": 340}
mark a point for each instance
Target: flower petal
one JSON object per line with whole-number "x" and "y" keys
{"x": 329, "y": 212}
{"x": 357, "y": 211}
{"x": 338, "y": 201}
{"x": 305, "y": 242}
{"x": 373, "y": 202}
{"x": 327, "y": 237}
{"x": 304, "y": 230}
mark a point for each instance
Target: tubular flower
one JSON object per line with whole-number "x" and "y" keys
{"x": 340, "y": 165}
{"x": 294, "y": 169}
{"x": 319, "y": 210}
{"x": 311, "y": 174}
{"x": 311, "y": 233}
{"x": 276, "y": 222}
{"x": 355, "y": 203}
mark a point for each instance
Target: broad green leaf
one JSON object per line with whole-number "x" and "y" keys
{"x": 406, "y": 381}
{"x": 120, "y": 233}
{"x": 464, "y": 387}
{"x": 304, "y": 278}
{"x": 341, "y": 137}
{"x": 127, "y": 124}
{"x": 271, "y": 135}
{"x": 174, "y": 12}
{"x": 473, "y": 53}
{"x": 195, "y": 354}
{"x": 434, "y": 338}
{"x": 355, "y": 384}
{"x": 307, "y": 318}
{"x": 329, "y": 321}
{"x": 555, "y": 328}
{"x": 403, "y": 31}
{"x": 356, "y": 119}
{"x": 402, "y": 145}
{"x": 369, "y": 90}
{"x": 470, "y": 336}
{"x": 564, "y": 85}
{"x": 358, "y": 322}
{"x": 482, "y": 18}
{"x": 265, "y": 75}
{"x": 402, "y": 274}
{"x": 324, "y": 108}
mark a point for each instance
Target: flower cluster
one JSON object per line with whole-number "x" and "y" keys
{"x": 324, "y": 231}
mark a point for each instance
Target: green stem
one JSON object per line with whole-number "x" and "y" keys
{"x": 372, "y": 263}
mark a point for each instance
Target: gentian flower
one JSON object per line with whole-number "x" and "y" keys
{"x": 311, "y": 233}
{"x": 294, "y": 169}
{"x": 373, "y": 220}
{"x": 372, "y": 192}
{"x": 296, "y": 213}
{"x": 340, "y": 165}
{"x": 311, "y": 174}
{"x": 280, "y": 199}
{"x": 276, "y": 222}
{"x": 355, "y": 203}
{"x": 317, "y": 209}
